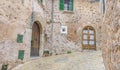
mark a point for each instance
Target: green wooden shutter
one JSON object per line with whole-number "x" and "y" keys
{"x": 20, "y": 38}
{"x": 61, "y": 4}
{"x": 71, "y": 5}
{"x": 21, "y": 54}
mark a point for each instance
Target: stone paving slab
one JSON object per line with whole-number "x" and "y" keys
{"x": 86, "y": 60}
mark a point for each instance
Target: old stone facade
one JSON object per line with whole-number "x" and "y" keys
{"x": 85, "y": 13}
{"x": 111, "y": 35}
{"x": 18, "y": 17}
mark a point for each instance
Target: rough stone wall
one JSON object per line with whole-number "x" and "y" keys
{"x": 111, "y": 35}
{"x": 85, "y": 13}
{"x": 16, "y": 18}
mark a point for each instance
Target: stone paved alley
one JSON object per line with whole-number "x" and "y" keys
{"x": 86, "y": 60}
{"x": 36, "y": 28}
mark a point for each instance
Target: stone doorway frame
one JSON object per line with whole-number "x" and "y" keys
{"x": 39, "y": 43}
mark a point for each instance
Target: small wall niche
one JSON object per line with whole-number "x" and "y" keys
{"x": 63, "y": 30}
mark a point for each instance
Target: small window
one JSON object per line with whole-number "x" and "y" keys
{"x": 66, "y": 5}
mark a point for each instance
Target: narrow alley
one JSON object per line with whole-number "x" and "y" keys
{"x": 59, "y": 34}
{"x": 86, "y": 60}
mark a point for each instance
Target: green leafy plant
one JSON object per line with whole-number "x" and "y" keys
{"x": 46, "y": 53}
{"x": 68, "y": 52}
{"x": 4, "y": 66}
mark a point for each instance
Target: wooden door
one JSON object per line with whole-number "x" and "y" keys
{"x": 88, "y": 37}
{"x": 35, "y": 43}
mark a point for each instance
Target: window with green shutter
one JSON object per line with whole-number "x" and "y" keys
{"x": 71, "y": 5}
{"x": 21, "y": 54}
{"x": 19, "y": 38}
{"x": 66, "y": 5}
{"x": 61, "y": 5}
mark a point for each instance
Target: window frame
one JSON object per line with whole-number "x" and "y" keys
{"x": 87, "y": 45}
{"x": 62, "y": 5}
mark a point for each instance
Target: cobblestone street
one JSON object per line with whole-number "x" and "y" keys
{"x": 86, "y": 60}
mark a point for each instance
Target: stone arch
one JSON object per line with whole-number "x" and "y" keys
{"x": 39, "y": 24}
{"x": 88, "y": 38}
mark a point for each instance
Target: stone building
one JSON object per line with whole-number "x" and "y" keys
{"x": 111, "y": 35}
{"x": 19, "y": 21}
{"x": 84, "y": 15}
{"x": 27, "y": 29}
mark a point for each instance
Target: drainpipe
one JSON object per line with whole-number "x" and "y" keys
{"x": 52, "y": 21}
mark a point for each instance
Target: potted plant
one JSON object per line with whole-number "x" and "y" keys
{"x": 4, "y": 66}
{"x": 46, "y": 53}
{"x": 68, "y": 52}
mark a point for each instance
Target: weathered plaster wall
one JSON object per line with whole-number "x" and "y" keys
{"x": 17, "y": 17}
{"x": 111, "y": 35}
{"x": 85, "y": 14}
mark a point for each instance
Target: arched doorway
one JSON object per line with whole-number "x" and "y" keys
{"x": 88, "y": 38}
{"x": 35, "y": 42}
